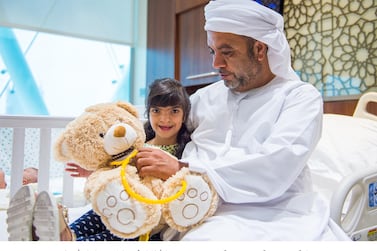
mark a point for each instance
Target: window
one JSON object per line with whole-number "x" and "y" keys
{"x": 60, "y": 74}
{"x": 57, "y": 57}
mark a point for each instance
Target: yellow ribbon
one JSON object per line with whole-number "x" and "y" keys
{"x": 136, "y": 196}
{"x": 144, "y": 237}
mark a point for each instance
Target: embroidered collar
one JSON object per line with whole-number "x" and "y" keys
{"x": 122, "y": 155}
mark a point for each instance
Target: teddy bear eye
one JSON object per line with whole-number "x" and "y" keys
{"x": 101, "y": 134}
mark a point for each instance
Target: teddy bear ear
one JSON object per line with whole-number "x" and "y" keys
{"x": 128, "y": 107}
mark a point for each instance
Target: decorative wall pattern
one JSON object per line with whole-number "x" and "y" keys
{"x": 334, "y": 44}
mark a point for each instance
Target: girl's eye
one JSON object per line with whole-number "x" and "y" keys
{"x": 154, "y": 110}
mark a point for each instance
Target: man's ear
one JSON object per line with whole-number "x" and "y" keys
{"x": 260, "y": 50}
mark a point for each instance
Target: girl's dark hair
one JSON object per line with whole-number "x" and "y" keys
{"x": 169, "y": 92}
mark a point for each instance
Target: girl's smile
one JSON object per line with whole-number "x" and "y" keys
{"x": 166, "y": 122}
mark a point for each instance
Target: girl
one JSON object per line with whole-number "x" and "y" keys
{"x": 167, "y": 108}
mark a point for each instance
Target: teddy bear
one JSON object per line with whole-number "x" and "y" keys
{"x": 104, "y": 139}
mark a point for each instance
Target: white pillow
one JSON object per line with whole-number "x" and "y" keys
{"x": 348, "y": 144}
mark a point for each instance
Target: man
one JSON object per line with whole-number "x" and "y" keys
{"x": 253, "y": 133}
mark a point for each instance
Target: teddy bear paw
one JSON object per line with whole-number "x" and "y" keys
{"x": 123, "y": 215}
{"x": 193, "y": 206}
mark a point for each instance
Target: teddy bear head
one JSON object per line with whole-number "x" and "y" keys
{"x": 102, "y": 133}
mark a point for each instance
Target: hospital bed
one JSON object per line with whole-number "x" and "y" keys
{"x": 343, "y": 167}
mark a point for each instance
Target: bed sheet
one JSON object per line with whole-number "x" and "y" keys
{"x": 348, "y": 145}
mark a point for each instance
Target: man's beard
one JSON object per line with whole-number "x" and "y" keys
{"x": 237, "y": 83}
{"x": 242, "y": 81}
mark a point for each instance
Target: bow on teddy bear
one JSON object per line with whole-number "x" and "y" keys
{"x": 104, "y": 139}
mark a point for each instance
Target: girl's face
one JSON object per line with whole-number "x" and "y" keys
{"x": 166, "y": 123}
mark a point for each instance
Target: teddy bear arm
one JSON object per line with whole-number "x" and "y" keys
{"x": 195, "y": 205}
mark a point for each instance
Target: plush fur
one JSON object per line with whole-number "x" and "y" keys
{"x": 106, "y": 130}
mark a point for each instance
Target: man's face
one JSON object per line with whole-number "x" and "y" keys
{"x": 236, "y": 62}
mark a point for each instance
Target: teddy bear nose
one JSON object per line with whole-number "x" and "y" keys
{"x": 119, "y": 131}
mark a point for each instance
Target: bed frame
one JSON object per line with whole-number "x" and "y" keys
{"x": 361, "y": 110}
{"x": 45, "y": 124}
{"x": 359, "y": 218}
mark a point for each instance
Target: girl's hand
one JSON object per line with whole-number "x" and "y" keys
{"x": 3, "y": 183}
{"x": 77, "y": 171}
{"x": 156, "y": 162}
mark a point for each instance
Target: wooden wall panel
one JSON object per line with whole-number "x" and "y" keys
{"x": 184, "y": 5}
{"x": 160, "y": 40}
{"x": 346, "y": 107}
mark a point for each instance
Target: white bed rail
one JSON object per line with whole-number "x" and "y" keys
{"x": 359, "y": 220}
{"x": 354, "y": 203}
{"x": 361, "y": 110}
{"x": 45, "y": 124}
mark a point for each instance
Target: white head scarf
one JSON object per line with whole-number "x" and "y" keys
{"x": 251, "y": 19}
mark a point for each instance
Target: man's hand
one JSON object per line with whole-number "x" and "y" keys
{"x": 156, "y": 162}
